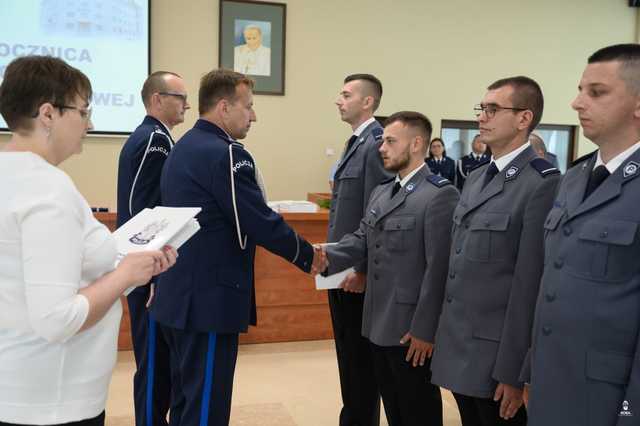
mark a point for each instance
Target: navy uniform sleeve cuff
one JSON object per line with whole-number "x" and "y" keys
{"x": 304, "y": 258}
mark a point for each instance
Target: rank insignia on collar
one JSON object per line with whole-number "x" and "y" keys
{"x": 361, "y": 139}
{"x": 630, "y": 169}
{"x": 410, "y": 187}
{"x": 511, "y": 172}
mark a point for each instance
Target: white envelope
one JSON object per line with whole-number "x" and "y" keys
{"x": 332, "y": 281}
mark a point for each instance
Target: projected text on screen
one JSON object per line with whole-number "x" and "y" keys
{"x": 107, "y": 39}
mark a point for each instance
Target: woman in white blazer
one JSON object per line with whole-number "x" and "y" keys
{"x": 59, "y": 292}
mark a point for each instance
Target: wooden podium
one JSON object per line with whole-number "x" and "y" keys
{"x": 289, "y": 307}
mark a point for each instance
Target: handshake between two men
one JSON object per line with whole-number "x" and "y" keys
{"x": 354, "y": 282}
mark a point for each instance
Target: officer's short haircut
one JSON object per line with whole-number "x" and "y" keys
{"x": 155, "y": 83}
{"x": 372, "y": 85}
{"x": 31, "y": 81}
{"x": 217, "y": 85}
{"x": 415, "y": 120}
{"x": 526, "y": 94}
{"x": 629, "y": 57}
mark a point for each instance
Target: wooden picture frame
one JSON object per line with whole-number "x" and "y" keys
{"x": 252, "y": 41}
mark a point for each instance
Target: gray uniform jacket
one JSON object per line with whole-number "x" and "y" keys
{"x": 586, "y": 354}
{"x": 359, "y": 172}
{"x": 405, "y": 240}
{"x": 494, "y": 274}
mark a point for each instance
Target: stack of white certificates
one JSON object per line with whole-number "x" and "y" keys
{"x": 293, "y": 206}
{"x": 152, "y": 229}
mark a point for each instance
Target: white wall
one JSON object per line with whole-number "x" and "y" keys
{"x": 436, "y": 57}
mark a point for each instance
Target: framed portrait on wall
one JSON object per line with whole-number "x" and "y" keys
{"x": 252, "y": 41}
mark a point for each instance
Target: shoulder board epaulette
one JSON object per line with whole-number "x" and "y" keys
{"x": 158, "y": 129}
{"x": 384, "y": 182}
{"x": 438, "y": 181}
{"x": 377, "y": 133}
{"x": 544, "y": 167}
{"x": 583, "y": 158}
{"x": 475, "y": 166}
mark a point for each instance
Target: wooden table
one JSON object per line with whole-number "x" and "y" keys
{"x": 289, "y": 307}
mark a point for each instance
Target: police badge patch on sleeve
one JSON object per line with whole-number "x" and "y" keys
{"x": 626, "y": 409}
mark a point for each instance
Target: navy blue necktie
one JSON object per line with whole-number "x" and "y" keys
{"x": 349, "y": 144}
{"x": 598, "y": 175}
{"x": 492, "y": 170}
{"x": 395, "y": 189}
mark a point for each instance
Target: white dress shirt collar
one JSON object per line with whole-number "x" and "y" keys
{"x": 503, "y": 161}
{"x": 363, "y": 126}
{"x": 616, "y": 161}
{"x": 409, "y": 175}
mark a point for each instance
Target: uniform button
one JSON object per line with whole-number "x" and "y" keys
{"x": 375, "y": 261}
{"x": 604, "y": 234}
{"x": 550, "y": 297}
{"x": 558, "y": 263}
{"x": 377, "y": 246}
{"x": 546, "y": 330}
{"x": 458, "y": 250}
{"x": 331, "y": 226}
{"x": 486, "y": 224}
{"x": 380, "y": 227}
{"x": 398, "y": 226}
{"x": 237, "y": 285}
{"x": 332, "y": 209}
{"x": 449, "y": 299}
{"x": 567, "y": 230}
{"x": 375, "y": 276}
{"x": 466, "y": 225}
{"x": 452, "y": 275}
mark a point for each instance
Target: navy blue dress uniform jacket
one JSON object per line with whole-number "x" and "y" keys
{"x": 140, "y": 166}
{"x": 466, "y": 165}
{"x": 211, "y": 286}
{"x": 585, "y": 362}
{"x": 445, "y": 168}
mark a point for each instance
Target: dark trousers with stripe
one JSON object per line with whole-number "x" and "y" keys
{"x": 408, "y": 395}
{"x": 486, "y": 412}
{"x": 152, "y": 380}
{"x": 360, "y": 395}
{"x": 202, "y": 369}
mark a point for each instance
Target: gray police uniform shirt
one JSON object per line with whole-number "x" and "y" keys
{"x": 585, "y": 362}
{"x": 494, "y": 273}
{"x": 405, "y": 241}
{"x": 358, "y": 173}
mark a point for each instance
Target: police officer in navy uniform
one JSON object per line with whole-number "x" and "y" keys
{"x": 404, "y": 239}
{"x": 360, "y": 170}
{"x": 496, "y": 262}
{"x": 141, "y": 159}
{"x": 211, "y": 296}
{"x": 438, "y": 161}
{"x": 476, "y": 158}
{"x": 584, "y": 367}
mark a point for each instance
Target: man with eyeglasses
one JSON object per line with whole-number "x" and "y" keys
{"x": 141, "y": 160}
{"x": 496, "y": 261}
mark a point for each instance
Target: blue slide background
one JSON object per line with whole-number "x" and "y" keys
{"x": 107, "y": 39}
